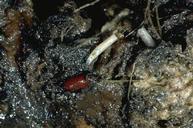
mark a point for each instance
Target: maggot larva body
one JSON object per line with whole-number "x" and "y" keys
{"x": 146, "y": 37}
{"x": 101, "y": 48}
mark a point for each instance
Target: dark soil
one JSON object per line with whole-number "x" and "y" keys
{"x": 46, "y": 82}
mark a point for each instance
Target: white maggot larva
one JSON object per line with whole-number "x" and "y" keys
{"x": 146, "y": 37}
{"x": 101, "y": 48}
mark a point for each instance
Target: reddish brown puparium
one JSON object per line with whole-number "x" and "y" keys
{"x": 76, "y": 83}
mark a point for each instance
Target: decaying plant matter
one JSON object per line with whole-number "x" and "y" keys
{"x": 96, "y": 63}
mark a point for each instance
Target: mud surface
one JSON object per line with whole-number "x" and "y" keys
{"x": 141, "y": 80}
